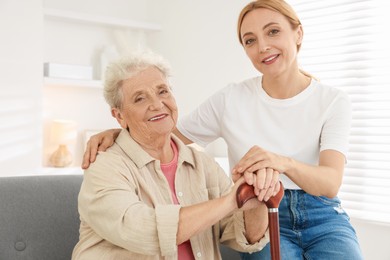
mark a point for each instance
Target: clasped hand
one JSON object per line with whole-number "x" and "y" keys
{"x": 259, "y": 168}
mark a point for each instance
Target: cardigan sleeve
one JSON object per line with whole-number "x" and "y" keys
{"x": 232, "y": 227}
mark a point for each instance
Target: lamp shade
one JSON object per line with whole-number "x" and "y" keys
{"x": 63, "y": 131}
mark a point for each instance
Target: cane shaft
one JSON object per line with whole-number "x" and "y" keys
{"x": 273, "y": 223}
{"x": 244, "y": 193}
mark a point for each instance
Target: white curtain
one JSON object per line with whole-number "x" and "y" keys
{"x": 346, "y": 45}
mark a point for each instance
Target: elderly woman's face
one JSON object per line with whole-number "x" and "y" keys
{"x": 149, "y": 109}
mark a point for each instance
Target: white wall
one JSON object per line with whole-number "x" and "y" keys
{"x": 373, "y": 238}
{"x": 20, "y": 85}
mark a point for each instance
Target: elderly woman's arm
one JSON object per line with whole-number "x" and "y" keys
{"x": 109, "y": 202}
{"x": 240, "y": 229}
{"x": 195, "y": 219}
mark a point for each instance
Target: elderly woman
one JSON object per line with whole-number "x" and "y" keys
{"x": 150, "y": 196}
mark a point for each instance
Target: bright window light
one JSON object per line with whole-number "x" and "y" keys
{"x": 346, "y": 45}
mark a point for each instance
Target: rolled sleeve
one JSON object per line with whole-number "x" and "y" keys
{"x": 234, "y": 234}
{"x": 167, "y": 218}
{"x": 239, "y": 231}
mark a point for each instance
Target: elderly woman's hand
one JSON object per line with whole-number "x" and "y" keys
{"x": 98, "y": 142}
{"x": 250, "y": 204}
{"x": 265, "y": 182}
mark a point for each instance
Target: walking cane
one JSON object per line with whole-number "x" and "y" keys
{"x": 244, "y": 193}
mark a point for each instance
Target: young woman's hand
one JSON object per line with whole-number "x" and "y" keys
{"x": 98, "y": 142}
{"x": 257, "y": 158}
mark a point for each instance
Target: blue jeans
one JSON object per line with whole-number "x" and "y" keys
{"x": 312, "y": 228}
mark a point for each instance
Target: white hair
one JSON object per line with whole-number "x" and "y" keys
{"x": 126, "y": 67}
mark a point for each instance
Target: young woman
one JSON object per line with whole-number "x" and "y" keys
{"x": 283, "y": 120}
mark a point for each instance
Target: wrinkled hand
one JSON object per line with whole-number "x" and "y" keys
{"x": 250, "y": 204}
{"x": 265, "y": 182}
{"x": 98, "y": 142}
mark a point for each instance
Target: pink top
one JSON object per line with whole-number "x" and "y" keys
{"x": 169, "y": 170}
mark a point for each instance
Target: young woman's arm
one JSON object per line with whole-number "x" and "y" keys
{"x": 103, "y": 140}
{"x": 98, "y": 142}
{"x": 323, "y": 179}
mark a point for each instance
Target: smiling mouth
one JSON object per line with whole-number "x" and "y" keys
{"x": 270, "y": 59}
{"x": 157, "y": 117}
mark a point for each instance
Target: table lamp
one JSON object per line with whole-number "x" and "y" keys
{"x": 62, "y": 132}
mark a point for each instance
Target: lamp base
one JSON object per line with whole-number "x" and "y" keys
{"x": 61, "y": 157}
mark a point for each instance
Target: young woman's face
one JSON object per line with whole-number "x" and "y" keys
{"x": 270, "y": 42}
{"x": 149, "y": 109}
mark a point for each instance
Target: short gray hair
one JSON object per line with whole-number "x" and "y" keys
{"x": 126, "y": 67}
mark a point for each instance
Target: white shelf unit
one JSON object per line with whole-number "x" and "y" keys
{"x": 59, "y": 82}
{"x": 51, "y": 13}
{"x": 78, "y": 17}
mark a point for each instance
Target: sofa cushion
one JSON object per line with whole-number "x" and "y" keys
{"x": 39, "y": 217}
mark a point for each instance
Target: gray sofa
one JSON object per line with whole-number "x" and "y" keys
{"x": 39, "y": 218}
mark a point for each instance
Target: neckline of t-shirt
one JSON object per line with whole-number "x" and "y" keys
{"x": 175, "y": 156}
{"x": 288, "y": 101}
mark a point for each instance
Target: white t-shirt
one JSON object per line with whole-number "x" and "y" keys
{"x": 244, "y": 115}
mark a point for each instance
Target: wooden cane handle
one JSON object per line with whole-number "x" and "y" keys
{"x": 274, "y": 201}
{"x": 245, "y": 192}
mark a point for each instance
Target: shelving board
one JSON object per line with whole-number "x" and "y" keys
{"x": 59, "y": 82}
{"x": 99, "y": 20}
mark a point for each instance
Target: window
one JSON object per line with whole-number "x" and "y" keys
{"x": 346, "y": 45}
